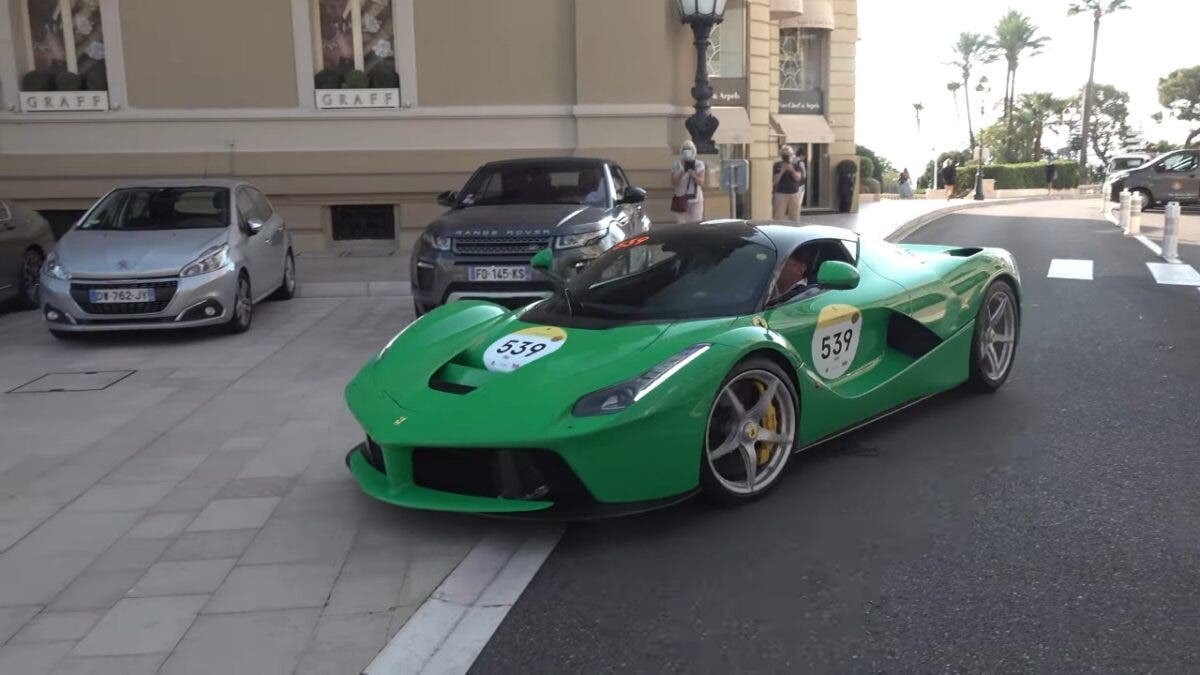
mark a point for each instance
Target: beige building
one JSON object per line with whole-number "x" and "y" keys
{"x": 353, "y": 114}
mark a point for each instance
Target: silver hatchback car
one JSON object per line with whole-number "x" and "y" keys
{"x": 168, "y": 254}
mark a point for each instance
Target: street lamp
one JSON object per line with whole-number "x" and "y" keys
{"x": 702, "y": 15}
{"x": 981, "y": 90}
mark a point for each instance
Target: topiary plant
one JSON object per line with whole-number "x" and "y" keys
{"x": 328, "y": 79}
{"x": 37, "y": 80}
{"x": 866, "y": 166}
{"x": 67, "y": 81}
{"x": 357, "y": 79}
{"x": 96, "y": 78}
{"x": 384, "y": 76}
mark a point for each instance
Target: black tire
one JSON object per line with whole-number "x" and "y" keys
{"x": 243, "y": 307}
{"x": 287, "y": 289}
{"x": 1147, "y": 198}
{"x": 715, "y": 486}
{"x": 983, "y": 376}
{"x": 27, "y": 284}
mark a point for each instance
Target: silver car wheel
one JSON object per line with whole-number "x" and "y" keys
{"x": 242, "y": 305}
{"x": 751, "y": 432}
{"x": 999, "y": 339}
{"x": 31, "y": 268}
{"x": 289, "y": 274}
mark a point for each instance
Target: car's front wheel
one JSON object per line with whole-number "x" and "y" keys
{"x": 27, "y": 285}
{"x": 994, "y": 347}
{"x": 243, "y": 307}
{"x": 751, "y": 432}
{"x": 287, "y": 289}
{"x": 1147, "y": 198}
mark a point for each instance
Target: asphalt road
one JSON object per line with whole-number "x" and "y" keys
{"x": 1051, "y": 527}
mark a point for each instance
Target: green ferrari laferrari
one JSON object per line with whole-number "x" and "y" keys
{"x": 694, "y": 358}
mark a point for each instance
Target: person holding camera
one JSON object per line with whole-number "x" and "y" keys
{"x": 687, "y": 175}
{"x": 788, "y": 187}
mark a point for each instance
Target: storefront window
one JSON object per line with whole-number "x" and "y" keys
{"x": 802, "y": 70}
{"x": 355, "y": 50}
{"x": 727, "y": 56}
{"x": 65, "y": 56}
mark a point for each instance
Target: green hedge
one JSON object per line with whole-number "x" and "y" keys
{"x": 1017, "y": 176}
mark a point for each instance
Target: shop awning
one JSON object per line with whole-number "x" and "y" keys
{"x": 804, "y": 128}
{"x": 817, "y": 14}
{"x": 784, "y": 9}
{"x": 735, "y": 125}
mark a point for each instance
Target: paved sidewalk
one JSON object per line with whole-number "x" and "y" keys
{"x": 196, "y": 515}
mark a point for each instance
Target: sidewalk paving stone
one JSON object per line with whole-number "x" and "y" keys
{"x": 234, "y": 514}
{"x": 210, "y": 545}
{"x": 251, "y": 588}
{"x": 141, "y": 626}
{"x": 130, "y": 554}
{"x": 138, "y": 664}
{"x": 95, "y": 590}
{"x": 13, "y": 618}
{"x": 37, "y": 658}
{"x": 261, "y": 643}
{"x": 162, "y": 525}
{"x": 58, "y": 626}
{"x": 176, "y": 577}
{"x": 301, "y": 539}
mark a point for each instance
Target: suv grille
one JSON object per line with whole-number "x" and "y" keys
{"x": 510, "y": 246}
{"x": 163, "y": 292}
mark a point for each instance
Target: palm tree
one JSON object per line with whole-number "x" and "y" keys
{"x": 1098, "y": 10}
{"x": 1044, "y": 111}
{"x": 971, "y": 50}
{"x": 917, "y": 108}
{"x": 1015, "y": 34}
{"x": 953, "y": 88}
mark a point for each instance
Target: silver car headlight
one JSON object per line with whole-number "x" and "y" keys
{"x": 581, "y": 238}
{"x": 53, "y": 269}
{"x": 437, "y": 241}
{"x": 210, "y": 261}
{"x": 618, "y": 397}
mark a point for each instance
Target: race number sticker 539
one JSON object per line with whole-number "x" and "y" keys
{"x": 523, "y": 347}
{"x": 835, "y": 341}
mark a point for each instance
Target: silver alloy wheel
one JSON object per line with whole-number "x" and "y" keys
{"x": 29, "y": 275}
{"x": 242, "y": 304}
{"x": 752, "y": 442}
{"x": 999, "y": 339}
{"x": 289, "y": 274}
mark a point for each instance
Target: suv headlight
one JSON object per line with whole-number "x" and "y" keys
{"x": 54, "y": 270}
{"x": 437, "y": 241}
{"x": 580, "y": 239}
{"x": 210, "y": 261}
{"x": 618, "y": 397}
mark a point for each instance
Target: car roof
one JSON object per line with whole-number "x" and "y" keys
{"x": 782, "y": 237}
{"x": 564, "y": 162}
{"x": 228, "y": 183}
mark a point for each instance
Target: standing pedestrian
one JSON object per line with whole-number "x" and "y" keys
{"x": 687, "y": 176}
{"x": 906, "y": 190}
{"x": 789, "y": 180}
{"x": 949, "y": 174}
{"x": 1051, "y": 174}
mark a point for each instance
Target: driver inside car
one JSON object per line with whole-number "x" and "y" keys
{"x": 793, "y": 278}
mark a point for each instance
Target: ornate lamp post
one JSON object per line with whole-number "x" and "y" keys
{"x": 981, "y": 90}
{"x": 702, "y": 15}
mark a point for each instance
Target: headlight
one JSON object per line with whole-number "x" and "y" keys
{"x": 210, "y": 261}
{"x": 618, "y": 397}
{"x": 54, "y": 270}
{"x": 581, "y": 239}
{"x": 436, "y": 241}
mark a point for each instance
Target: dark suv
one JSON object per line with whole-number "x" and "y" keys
{"x": 510, "y": 210}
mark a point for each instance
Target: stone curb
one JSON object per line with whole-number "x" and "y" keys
{"x": 912, "y": 226}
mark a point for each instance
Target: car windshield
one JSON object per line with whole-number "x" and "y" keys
{"x": 664, "y": 278}
{"x": 532, "y": 184}
{"x": 1127, "y": 163}
{"x": 174, "y": 208}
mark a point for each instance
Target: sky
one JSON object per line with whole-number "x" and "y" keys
{"x": 904, "y": 46}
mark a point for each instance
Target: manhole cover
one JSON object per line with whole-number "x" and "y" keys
{"x": 87, "y": 381}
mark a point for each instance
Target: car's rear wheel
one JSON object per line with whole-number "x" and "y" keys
{"x": 751, "y": 432}
{"x": 287, "y": 289}
{"x": 994, "y": 347}
{"x": 1147, "y": 198}
{"x": 27, "y": 285}
{"x": 243, "y": 307}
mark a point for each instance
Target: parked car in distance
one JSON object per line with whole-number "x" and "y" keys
{"x": 508, "y": 211}
{"x": 25, "y": 241}
{"x": 1173, "y": 177}
{"x": 1126, "y": 161}
{"x": 169, "y": 254}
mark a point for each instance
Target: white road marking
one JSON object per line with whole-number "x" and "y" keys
{"x": 448, "y": 631}
{"x": 1063, "y": 268}
{"x": 1174, "y": 274}
{"x": 1154, "y": 248}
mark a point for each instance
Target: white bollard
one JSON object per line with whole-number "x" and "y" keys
{"x": 1170, "y": 245}
{"x": 1123, "y": 213}
{"x": 1135, "y": 215}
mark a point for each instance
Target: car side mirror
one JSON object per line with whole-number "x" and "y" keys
{"x": 254, "y": 225}
{"x": 837, "y": 275}
{"x": 447, "y": 198}
{"x": 633, "y": 195}
{"x": 543, "y": 260}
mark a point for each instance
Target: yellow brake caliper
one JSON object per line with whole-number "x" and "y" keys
{"x": 770, "y": 422}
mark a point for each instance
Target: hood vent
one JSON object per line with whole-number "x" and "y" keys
{"x": 966, "y": 252}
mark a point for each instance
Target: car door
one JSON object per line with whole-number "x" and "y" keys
{"x": 1177, "y": 178}
{"x": 256, "y": 250}
{"x": 11, "y": 251}
{"x": 275, "y": 233}
{"x": 841, "y": 337}
{"x": 632, "y": 215}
